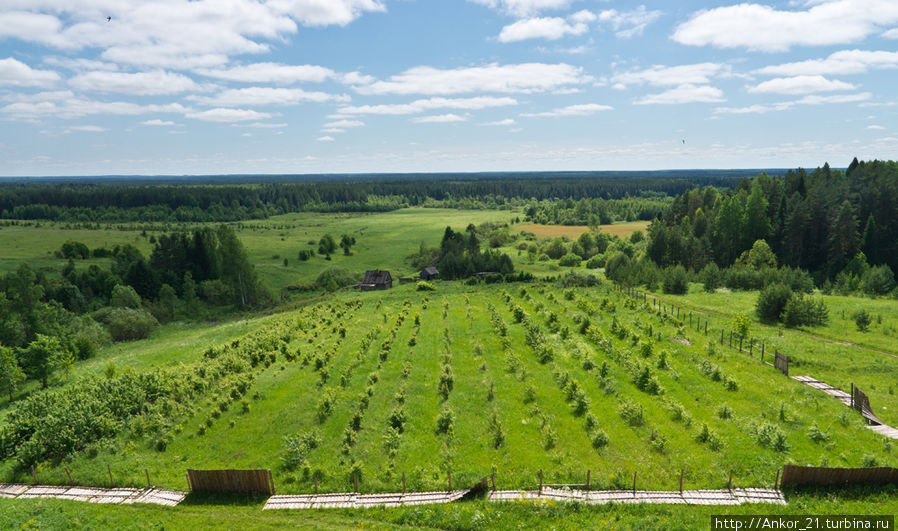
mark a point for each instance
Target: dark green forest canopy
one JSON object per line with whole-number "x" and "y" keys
{"x": 818, "y": 220}
{"x": 83, "y": 201}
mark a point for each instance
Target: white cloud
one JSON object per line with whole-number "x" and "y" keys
{"x": 800, "y": 85}
{"x": 79, "y": 63}
{"x": 891, "y": 34}
{"x": 659, "y": 75}
{"x": 29, "y": 26}
{"x": 515, "y": 78}
{"x": 875, "y": 127}
{"x": 838, "y": 63}
{"x": 507, "y": 121}
{"x": 550, "y": 28}
{"x": 429, "y": 104}
{"x": 343, "y": 124}
{"x": 64, "y": 104}
{"x": 227, "y": 115}
{"x": 257, "y": 96}
{"x": 440, "y": 119}
{"x": 17, "y": 74}
{"x": 87, "y": 128}
{"x": 687, "y": 93}
{"x": 627, "y": 24}
{"x": 265, "y": 125}
{"x": 325, "y": 138}
{"x": 326, "y": 12}
{"x": 786, "y": 105}
{"x": 159, "y": 123}
{"x": 584, "y": 109}
{"x": 270, "y": 73}
{"x": 523, "y": 8}
{"x": 763, "y": 28}
{"x": 154, "y": 83}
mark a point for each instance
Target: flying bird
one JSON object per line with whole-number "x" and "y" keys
{"x": 684, "y": 141}
{"x": 108, "y": 19}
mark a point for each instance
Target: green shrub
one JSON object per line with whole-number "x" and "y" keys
{"x": 424, "y": 286}
{"x": 772, "y": 302}
{"x": 632, "y": 412}
{"x": 570, "y": 260}
{"x": 862, "y": 319}
{"x": 817, "y": 435}
{"x": 599, "y": 439}
{"x": 445, "y": 420}
{"x": 675, "y": 280}
{"x": 128, "y": 324}
{"x": 805, "y": 311}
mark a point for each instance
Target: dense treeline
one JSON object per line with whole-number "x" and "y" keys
{"x": 837, "y": 225}
{"x": 597, "y": 211}
{"x": 48, "y": 321}
{"x": 121, "y": 201}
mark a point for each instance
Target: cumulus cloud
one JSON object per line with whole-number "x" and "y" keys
{"x": 875, "y": 127}
{"x": 786, "y": 105}
{"x": 280, "y": 74}
{"x": 86, "y": 128}
{"x": 429, "y": 104}
{"x": 159, "y": 123}
{"x": 325, "y": 138}
{"x": 660, "y": 75}
{"x": 326, "y": 12}
{"x": 440, "y": 119}
{"x": 507, "y": 121}
{"x": 763, "y": 28}
{"x": 800, "y": 85}
{"x": 572, "y": 110}
{"x": 891, "y": 34}
{"x": 344, "y": 124}
{"x": 259, "y": 96}
{"x": 549, "y": 28}
{"x": 842, "y": 62}
{"x": 686, "y": 93}
{"x": 154, "y": 83}
{"x": 64, "y": 104}
{"x": 514, "y": 78}
{"x": 17, "y": 74}
{"x": 227, "y": 115}
{"x": 523, "y": 8}
{"x": 628, "y": 24}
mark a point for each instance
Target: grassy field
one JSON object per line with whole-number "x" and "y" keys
{"x": 505, "y": 379}
{"x": 622, "y": 230}
{"x": 499, "y": 379}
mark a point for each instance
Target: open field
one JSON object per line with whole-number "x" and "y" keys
{"x": 622, "y": 230}
{"x": 549, "y": 414}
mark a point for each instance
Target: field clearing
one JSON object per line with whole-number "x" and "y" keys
{"x": 622, "y": 230}
{"x": 381, "y": 359}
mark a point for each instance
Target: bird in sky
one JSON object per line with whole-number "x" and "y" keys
{"x": 684, "y": 141}
{"x": 108, "y": 19}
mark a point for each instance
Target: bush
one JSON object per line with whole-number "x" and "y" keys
{"x": 445, "y": 420}
{"x": 596, "y": 262}
{"x": 424, "y": 286}
{"x": 710, "y": 276}
{"x": 633, "y": 413}
{"x": 772, "y": 301}
{"x": 862, "y": 319}
{"x": 333, "y": 278}
{"x": 570, "y": 260}
{"x": 878, "y": 280}
{"x": 126, "y": 324}
{"x": 124, "y": 297}
{"x": 805, "y": 311}
{"x": 599, "y": 439}
{"x": 675, "y": 280}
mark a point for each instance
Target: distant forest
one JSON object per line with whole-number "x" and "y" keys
{"x": 837, "y": 225}
{"x": 121, "y": 201}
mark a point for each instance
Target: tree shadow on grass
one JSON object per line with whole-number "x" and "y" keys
{"x": 224, "y": 498}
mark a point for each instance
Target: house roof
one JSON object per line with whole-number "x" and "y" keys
{"x": 431, "y": 270}
{"x": 377, "y": 276}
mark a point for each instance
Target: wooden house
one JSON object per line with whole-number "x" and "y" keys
{"x": 376, "y": 279}
{"x": 430, "y": 273}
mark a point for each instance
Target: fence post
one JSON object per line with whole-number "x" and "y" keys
{"x": 450, "y": 480}
{"x": 68, "y": 475}
{"x": 730, "y": 483}
{"x": 540, "y": 481}
{"x": 706, "y": 327}
{"x": 776, "y": 482}
{"x": 587, "y": 480}
{"x": 355, "y": 483}
{"x": 682, "y": 472}
{"x": 109, "y": 469}
{"x": 751, "y": 345}
{"x": 740, "y": 344}
{"x": 634, "y": 483}
{"x": 493, "y": 480}
{"x": 852, "y": 404}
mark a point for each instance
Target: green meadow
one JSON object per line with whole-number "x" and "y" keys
{"x": 472, "y": 380}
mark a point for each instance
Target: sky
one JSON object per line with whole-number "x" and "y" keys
{"x": 178, "y": 87}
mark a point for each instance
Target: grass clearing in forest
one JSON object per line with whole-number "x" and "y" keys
{"x": 622, "y": 230}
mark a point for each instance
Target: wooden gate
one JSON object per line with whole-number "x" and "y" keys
{"x": 796, "y": 476}
{"x": 860, "y": 402}
{"x": 255, "y": 481}
{"x": 781, "y": 362}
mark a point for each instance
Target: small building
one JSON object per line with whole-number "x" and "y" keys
{"x": 429, "y": 273}
{"x": 376, "y": 279}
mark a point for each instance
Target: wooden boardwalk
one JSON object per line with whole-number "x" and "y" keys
{"x": 92, "y": 494}
{"x": 688, "y": 497}
{"x": 845, "y": 398}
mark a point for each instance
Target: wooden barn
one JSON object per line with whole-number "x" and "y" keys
{"x": 376, "y": 279}
{"x": 430, "y": 273}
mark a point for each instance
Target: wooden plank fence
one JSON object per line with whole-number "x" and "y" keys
{"x": 861, "y": 402}
{"x": 254, "y": 481}
{"x": 797, "y": 476}
{"x": 781, "y": 362}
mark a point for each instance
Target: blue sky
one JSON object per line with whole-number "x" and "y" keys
{"x": 308, "y": 86}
